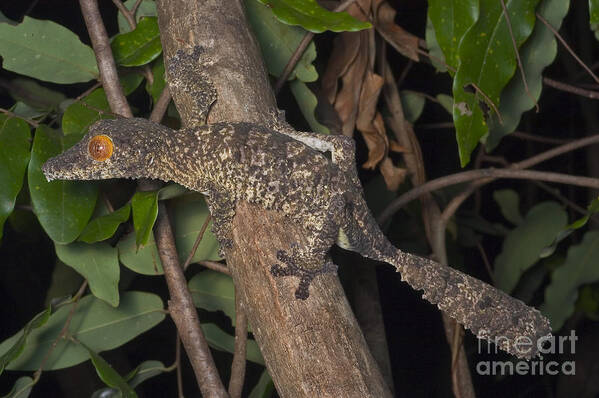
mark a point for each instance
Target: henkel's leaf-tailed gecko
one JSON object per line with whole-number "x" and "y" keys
{"x": 281, "y": 169}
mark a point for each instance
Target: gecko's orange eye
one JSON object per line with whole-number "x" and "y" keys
{"x": 100, "y": 147}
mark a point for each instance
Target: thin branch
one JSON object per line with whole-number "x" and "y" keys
{"x": 126, "y": 13}
{"x": 568, "y": 147}
{"x": 515, "y": 46}
{"x": 183, "y": 311}
{"x": 161, "y": 105}
{"x": 214, "y": 266}
{"x": 238, "y": 364}
{"x": 178, "y": 363}
{"x": 555, "y": 193}
{"x": 457, "y": 201}
{"x": 572, "y": 53}
{"x": 299, "y": 51}
{"x": 490, "y": 173}
{"x": 537, "y": 138}
{"x": 63, "y": 331}
{"x": 488, "y": 267}
{"x": 571, "y": 89}
{"x": 197, "y": 242}
{"x": 32, "y": 123}
{"x": 103, "y": 52}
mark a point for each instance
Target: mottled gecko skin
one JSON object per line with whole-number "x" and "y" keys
{"x": 281, "y": 169}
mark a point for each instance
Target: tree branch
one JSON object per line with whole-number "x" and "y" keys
{"x": 181, "y": 305}
{"x": 487, "y": 175}
{"x": 238, "y": 365}
{"x": 106, "y": 65}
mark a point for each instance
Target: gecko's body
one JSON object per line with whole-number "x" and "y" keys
{"x": 288, "y": 171}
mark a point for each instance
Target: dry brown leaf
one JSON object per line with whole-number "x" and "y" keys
{"x": 392, "y": 174}
{"x": 345, "y": 50}
{"x": 355, "y": 101}
{"x": 404, "y": 42}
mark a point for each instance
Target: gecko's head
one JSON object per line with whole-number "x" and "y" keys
{"x": 120, "y": 148}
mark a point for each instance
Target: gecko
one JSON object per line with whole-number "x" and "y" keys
{"x": 311, "y": 178}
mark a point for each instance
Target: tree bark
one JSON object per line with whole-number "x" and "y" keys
{"x": 312, "y": 347}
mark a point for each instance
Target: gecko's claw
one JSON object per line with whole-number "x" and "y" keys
{"x": 306, "y": 275}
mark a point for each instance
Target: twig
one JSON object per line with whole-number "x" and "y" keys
{"x": 299, "y": 51}
{"x": 103, "y": 52}
{"x": 489, "y": 173}
{"x": 515, "y": 46}
{"x": 126, "y": 13}
{"x": 181, "y": 305}
{"x": 214, "y": 266}
{"x": 537, "y": 138}
{"x": 183, "y": 311}
{"x": 555, "y": 193}
{"x": 571, "y": 89}
{"x": 178, "y": 363}
{"x": 457, "y": 201}
{"x": 197, "y": 242}
{"x": 568, "y": 147}
{"x": 63, "y": 331}
{"x": 483, "y": 254}
{"x": 32, "y": 123}
{"x": 161, "y": 105}
{"x": 238, "y": 364}
{"x": 572, "y": 53}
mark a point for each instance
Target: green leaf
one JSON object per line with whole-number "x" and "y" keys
{"x": 536, "y": 54}
{"x": 307, "y": 102}
{"x": 63, "y": 208}
{"x": 145, "y": 371}
{"x": 489, "y": 63}
{"x": 311, "y": 16}
{"x": 77, "y": 118}
{"x": 158, "y": 84}
{"x": 279, "y": 41}
{"x": 592, "y": 209}
{"x": 434, "y": 50}
{"x": 65, "y": 281}
{"x": 264, "y": 387}
{"x": 21, "y": 389}
{"x": 523, "y": 245}
{"x": 46, "y": 51}
{"x": 579, "y": 268}
{"x": 139, "y": 46}
{"x": 98, "y": 263}
{"x": 14, "y": 157}
{"x": 171, "y": 191}
{"x": 450, "y": 20}
{"x": 222, "y": 341}
{"x": 213, "y": 291}
{"x": 103, "y": 227}
{"x": 108, "y": 375}
{"x": 412, "y": 103}
{"x": 145, "y": 211}
{"x": 35, "y": 95}
{"x": 147, "y": 8}
{"x": 188, "y": 216}
{"x": 446, "y": 101}
{"x": 594, "y": 16}
{"x": 95, "y": 323}
{"x": 509, "y": 202}
{"x": 567, "y": 231}
{"x": 16, "y": 350}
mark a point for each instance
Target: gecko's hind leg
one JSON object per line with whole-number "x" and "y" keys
{"x": 291, "y": 268}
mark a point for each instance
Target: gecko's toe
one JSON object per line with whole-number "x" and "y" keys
{"x": 278, "y": 270}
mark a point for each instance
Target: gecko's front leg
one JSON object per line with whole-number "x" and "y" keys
{"x": 292, "y": 267}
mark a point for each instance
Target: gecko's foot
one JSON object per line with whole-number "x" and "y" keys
{"x": 306, "y": 275}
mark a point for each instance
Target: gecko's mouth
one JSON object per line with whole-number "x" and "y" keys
{"x": 61, "y": 167}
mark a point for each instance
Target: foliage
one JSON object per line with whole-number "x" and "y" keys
{"x": 545, "y": 255}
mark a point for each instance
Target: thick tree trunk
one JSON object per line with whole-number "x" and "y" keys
{"x": 312, "y": 347}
